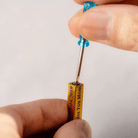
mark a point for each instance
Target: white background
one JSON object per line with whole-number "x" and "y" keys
{"x": 39, "y": 58}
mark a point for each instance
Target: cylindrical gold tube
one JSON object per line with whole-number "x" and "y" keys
{"x": 75, "y": 100}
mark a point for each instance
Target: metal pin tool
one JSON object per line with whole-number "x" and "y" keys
{"x": 75, "y": 89}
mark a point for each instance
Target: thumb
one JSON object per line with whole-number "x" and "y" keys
{"x": 74, "y": 129}
{"x": 115, "y": 25}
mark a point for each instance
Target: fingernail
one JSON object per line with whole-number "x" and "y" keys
{"x": 96, "y": 25}
{"x": 84, "y": 127}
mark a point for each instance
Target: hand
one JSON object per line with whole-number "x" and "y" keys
{"x": 40, "y": 119}
{"x": 111, "y": 24}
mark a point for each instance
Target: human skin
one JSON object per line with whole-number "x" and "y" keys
{"x": 112, "y": 22}
{"x": 40, "y": 119}
{"x": 117, "y": 23}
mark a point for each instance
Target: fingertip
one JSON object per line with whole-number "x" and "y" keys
{"x": 84, "y": 127}
{"x": 98, "y": 2}
{"x": 81, "y": 2}
{"x": 73, "y": 28}
{"x": 73, "y": 23}
{"x": 75, "y": 129}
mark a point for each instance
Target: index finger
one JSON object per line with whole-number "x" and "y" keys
{"x": 98, "y": 2}
{"x": 38, "y": 116}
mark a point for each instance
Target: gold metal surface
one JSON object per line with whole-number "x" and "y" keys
{"x": 75, "y": 100}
